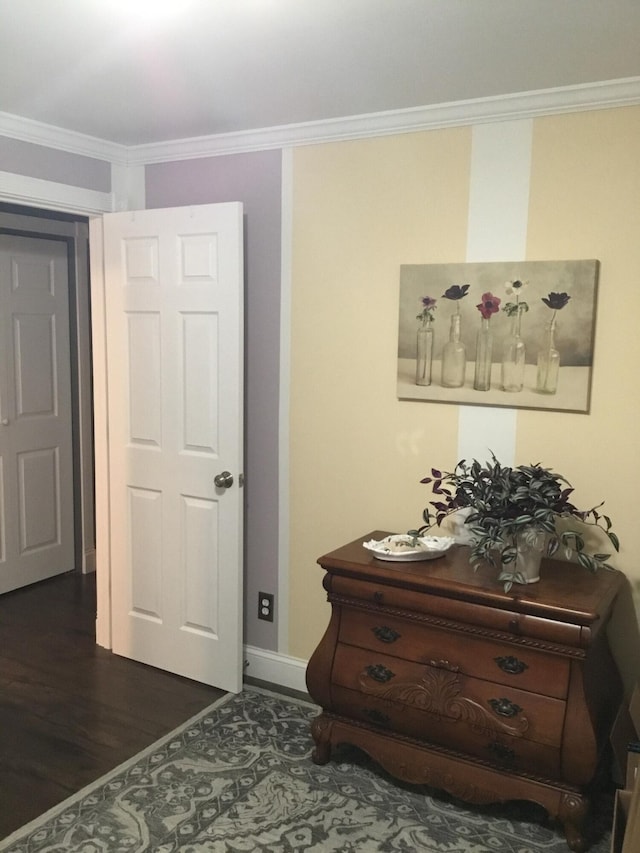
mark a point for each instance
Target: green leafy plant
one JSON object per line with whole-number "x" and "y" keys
{"x": 506, "y": 503}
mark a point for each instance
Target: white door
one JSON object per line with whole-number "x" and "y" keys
{"x": 36, "y": 459}
{"x": 173, "y": 283}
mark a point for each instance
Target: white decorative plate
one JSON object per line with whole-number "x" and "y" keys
{"x": 404, "y": 548}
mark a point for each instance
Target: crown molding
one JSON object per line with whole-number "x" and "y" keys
{"x": 27, "y": 130}
{"x": 589, "y": 96}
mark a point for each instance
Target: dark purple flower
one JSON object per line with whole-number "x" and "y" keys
{"x": 456, "y": 291}
{"x": 556, "y": 300}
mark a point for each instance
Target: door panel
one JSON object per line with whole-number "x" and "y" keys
{"x": 174, "y": 291}
{"x": 36, "y": 503}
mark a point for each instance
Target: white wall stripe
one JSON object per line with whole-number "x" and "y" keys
{"x": 128, "y": 187}
{"x": 497, "y": 231}
{"x": 499, "y": 192}
{"x": 285, "y": 388}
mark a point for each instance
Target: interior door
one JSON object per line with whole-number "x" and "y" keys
{"x": 174, "y": 349}
{"x": 36, "y": 457}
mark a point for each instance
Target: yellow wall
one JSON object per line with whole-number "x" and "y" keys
{"x": 585, "y": 203}
{"x": 360, "y": 210}
{"x": 363, "y": 208}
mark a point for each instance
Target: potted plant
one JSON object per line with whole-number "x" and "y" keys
{"x": 512, "y": 515}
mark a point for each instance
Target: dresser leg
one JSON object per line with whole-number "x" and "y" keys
{"x": 572, "y": 813}
{"x": 321, "y": 733}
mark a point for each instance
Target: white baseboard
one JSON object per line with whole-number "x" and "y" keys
{"x": 275, "y": 668}
{"x": 89, "y": 561}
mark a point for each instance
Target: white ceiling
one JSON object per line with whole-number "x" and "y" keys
{"x": 219, "y": 66}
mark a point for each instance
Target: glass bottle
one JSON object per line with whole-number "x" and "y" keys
{"x": 548, "y": 362}
{"x": 454, "y": 358}
{"x": 484, "y": 346}
{"x": 513, "y": 358}
{"x": 424, "y": 353}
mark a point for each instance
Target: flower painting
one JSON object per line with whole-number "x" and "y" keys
{"x": 533, "y": 348}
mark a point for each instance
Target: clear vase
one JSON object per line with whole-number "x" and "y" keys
{"x": 484, "y": 346}
{"x": 424, "y": 354}
{"x": 531, "y": 546}
{"x": 454, "y": 357}
{"x": 513, "y": 358}
{"x": 548, "y": 363}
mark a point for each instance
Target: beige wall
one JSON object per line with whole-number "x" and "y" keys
{"x": 357, "y": 454}
{"x": 363, "y": 208}
{"x": 585, "y": 203}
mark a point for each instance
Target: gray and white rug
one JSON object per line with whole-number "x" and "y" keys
{"x": 239, "y": 778}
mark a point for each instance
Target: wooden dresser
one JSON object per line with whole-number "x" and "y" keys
{"x": 444, "y": 679}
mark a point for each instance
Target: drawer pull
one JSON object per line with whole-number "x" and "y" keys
{"x": 376, "y": 717}
{"x": 504, "y": 707}
{"x": 511, "y": 665}
{"x": 502, "y": 753}
{"x": 385, "y": 634}
{"x": 378, "y": 597}
{"x": 379, "y": 673}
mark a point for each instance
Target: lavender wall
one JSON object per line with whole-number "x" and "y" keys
{"x": 49, "y": 164}
{"x": 255, "y": 180}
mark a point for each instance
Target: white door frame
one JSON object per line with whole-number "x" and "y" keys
{"x": 91, "y": 359}
{"x": 91, "y": 356}
{"x": 76, "y": 234}
{"x": 49, "y": 195}
{"x": 101, "y": 437}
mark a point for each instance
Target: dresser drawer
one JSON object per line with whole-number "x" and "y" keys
{"x": 379, "y": 595}
{"x": 511, "y": 665}
{"x": 443, "y": 692}
{"x": 508, "y": 753}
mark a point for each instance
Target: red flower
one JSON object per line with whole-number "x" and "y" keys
{"x": 490, "y": 305}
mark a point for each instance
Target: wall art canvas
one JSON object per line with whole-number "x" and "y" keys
{"x": 511, "y": 334}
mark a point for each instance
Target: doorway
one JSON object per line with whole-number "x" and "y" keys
{"x": 71, "y": 233}
{"x": 168, "y": 294}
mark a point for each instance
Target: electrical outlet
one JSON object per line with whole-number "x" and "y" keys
{"x": 265, "y": 606}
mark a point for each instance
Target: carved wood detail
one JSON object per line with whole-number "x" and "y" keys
{"x": 475, "y": 630}
{"x": 457, "y": 635}
{"x": 572, "y": 812}
{"x": 373, "y": 734}
{"x": 424, "y": 774}
{"x": 439, "y": 693}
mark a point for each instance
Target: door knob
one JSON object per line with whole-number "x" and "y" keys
{"x": 5, "y": 422}
{"x": 224, "y": 480}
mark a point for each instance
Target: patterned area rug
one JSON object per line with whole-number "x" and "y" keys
{"x": 239, "y": 778}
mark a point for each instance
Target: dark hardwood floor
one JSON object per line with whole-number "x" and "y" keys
{"x": 69, "y": 710}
